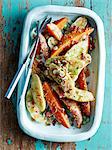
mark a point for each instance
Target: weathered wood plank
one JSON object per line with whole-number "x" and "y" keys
{"x": 11, "y": 19}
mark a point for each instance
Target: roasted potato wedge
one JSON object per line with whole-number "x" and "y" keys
{"x": 37, "y": 92}
{"x": 32, "y": 108}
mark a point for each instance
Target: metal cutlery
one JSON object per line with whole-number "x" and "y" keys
{"x": 28, "y": 61}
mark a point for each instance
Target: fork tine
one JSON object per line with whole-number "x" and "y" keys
{"x": 45, "y": 23}
{"x": 37, "y": 27}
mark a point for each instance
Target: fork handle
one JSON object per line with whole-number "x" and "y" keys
{"x": 15, "y": 81}
{"x": 25, "y": 85}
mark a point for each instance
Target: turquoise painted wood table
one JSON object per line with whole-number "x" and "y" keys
{"x": 12, "y": 13}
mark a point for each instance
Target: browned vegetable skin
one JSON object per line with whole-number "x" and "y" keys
{"x": 35, "y": 68}
{"x": 55, "y": 105}
{"x": 85, "y": 107}
{"x": 75, "y": 110}
{"x": 43, "y": 46}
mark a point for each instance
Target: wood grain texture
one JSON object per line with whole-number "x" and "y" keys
{"x": 12, "y": 13}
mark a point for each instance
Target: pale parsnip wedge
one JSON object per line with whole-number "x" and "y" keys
{"x": 71, "y": 69}
{"x": 74, "y": 94}
{"x": 76, "y": 65}
{"x": 32, "y": 108}
{"x": 80, "y": 23}
{"x": 37, "y": 92}
{"x": 78, "y": 49}
{"x": 61, "y": 76}
{"x": 80, "y": 95}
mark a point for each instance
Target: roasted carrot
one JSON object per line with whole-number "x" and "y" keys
{"x": 55, "y": 28}
{"x": 70, "y": 39}
{"x": 54, "y": 31}
{"x": 82, "y": 80}
{"x": 85, "y": 107}
{"x": 61, "y": 22}
{"x": 55, "y": 105}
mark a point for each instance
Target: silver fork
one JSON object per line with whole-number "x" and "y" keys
{"x": 27, "y": 61}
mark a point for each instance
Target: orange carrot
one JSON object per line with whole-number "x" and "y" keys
{"x": 70, "y": 39}
{"x": 82, "y": 80}
{"x": 83, "y": 85}
{"x": 55, "y": 106}
{"x": 54, "y": 31}
{"x": 61, "y": 22}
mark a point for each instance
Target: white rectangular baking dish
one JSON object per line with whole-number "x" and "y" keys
{"x": 59, "y": 133}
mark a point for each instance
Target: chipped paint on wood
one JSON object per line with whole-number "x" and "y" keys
{"x": 27, "y": 4}
{"x": 68, "y": 146}
{"x": 39, "y": 145}
{"x": 79, "y": 3}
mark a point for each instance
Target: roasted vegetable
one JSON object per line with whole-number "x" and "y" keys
{"x": 86, "y": 108}
{"x": 78, "y": 50}
{"x": 37, "y": 92}
{"x": 74, "y": 61}
{"x": 60, "y": 62}
{"x": 55, "y": 106}
{"x": 44, "y": 50}
{"x": 35, "y": 68}
{"x": 75, "y": 67}
{"x": 70, "y": 40}
{"x": 81, "y": 95}
{"x": 61, "y": 22}
{"x": 82, "y": 80}
{"x": 33, "y": 108}
{"x": 52, "y": 42}
{"x": 80, "y": 23}
{"x": 83, "y": 85}
{"x": 74, "y": 94}
{"x": 60, "y": 75}
{"x": 75, "y": 110}
{"x": 54, "y": 31}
